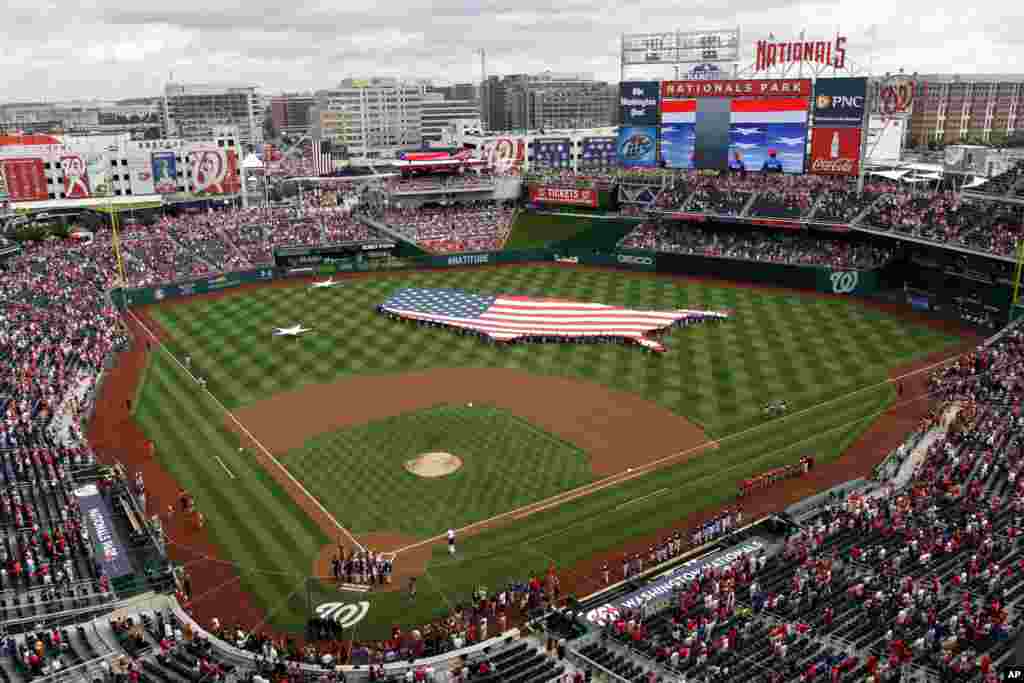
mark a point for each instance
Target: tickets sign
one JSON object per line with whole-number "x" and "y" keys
{"x": 542, "y": 194}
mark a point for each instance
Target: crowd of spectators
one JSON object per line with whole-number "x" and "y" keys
{"x": 944, "y": 216}
{"x": 884, "y": 584}
{"x": 57, "y": 328}
{"x": 755, "y": 245}
{"x": 470, "y": 226}
{"x": 419, "y": 184}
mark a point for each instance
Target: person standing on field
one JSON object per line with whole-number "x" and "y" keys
{"x": 451, "y": 541}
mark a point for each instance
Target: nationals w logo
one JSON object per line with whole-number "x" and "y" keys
{"x": 346, "y": 616}
{"x": 845, "y": 283}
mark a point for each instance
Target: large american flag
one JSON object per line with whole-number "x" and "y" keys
{"x": 506, "y": 318}
{"x": 322, "y": 162}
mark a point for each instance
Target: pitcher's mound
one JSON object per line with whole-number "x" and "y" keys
{"x": 433, "y": 464}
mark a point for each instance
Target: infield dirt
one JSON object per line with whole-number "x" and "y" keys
{"x": 617, "y": 430}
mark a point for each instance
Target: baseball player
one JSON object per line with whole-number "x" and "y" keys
{"x": 451, "y": 541}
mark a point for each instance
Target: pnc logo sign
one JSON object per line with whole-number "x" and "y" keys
{"x": 840, "y": 101}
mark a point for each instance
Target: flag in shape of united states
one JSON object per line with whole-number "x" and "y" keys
{"x": 506, "y": 318}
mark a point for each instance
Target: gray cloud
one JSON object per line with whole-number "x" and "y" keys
{"x": 118, "y": 48}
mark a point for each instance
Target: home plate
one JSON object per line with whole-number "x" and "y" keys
{"x": 354, "y": 587}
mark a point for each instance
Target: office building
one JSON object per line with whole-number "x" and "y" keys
{"x": 439, "y": 113}
{"x": 290, "y": 113}
{"x": 198, "y": 111}
{"x": 981, "y": 109}
{"x": 547, "y": 100}
{"x": 373, "y": 118}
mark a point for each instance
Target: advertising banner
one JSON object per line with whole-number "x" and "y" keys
{"x": 839, "y": 102}
{"x": 26, "y": 179}
{"x": 540, "y": 194}
{"x": 110, "y": 552}
{"x": 660, "y": 588}
{"x": 214, "y": 170}
{"x": 638, "y": 103}
{"x": 720, "y": 133}
{"x": 99, "y": 175}
{"x": 885, "y": 139}
{"x": 505, "y": 155}
{"x": 140, "y": 171}
{"x": 638, "y": 146}
{"x": 76, "y": 178}
{"x": 165, "y": 173}
{"x": 835, "y": 151}
{"x": 552, "y": 153}
{"x": 597, "y": 154}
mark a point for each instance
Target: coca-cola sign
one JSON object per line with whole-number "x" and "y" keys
{"x": 835, "y": 151}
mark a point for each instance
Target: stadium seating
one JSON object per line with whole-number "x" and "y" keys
{"x": 754, "y": 245}
{"x": 473, "y": 226}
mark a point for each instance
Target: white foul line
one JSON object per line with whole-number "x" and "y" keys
{"x": 250, "y": 435}
{"x": 637, "y": 500}
{"x": 230, "y": 473}
{"x": 616, "y": 479}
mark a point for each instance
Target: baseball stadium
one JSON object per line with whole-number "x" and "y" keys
{"x": 709, "y": 398}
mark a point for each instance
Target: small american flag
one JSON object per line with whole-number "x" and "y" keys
{"x": 506, "y": 318}
{"x": 322, "y": 162}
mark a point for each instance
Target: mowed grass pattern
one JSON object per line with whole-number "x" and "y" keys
{"x": 811, "y": 352}
{"x": 359, "y": 473}
{"x": 803, "y": 350}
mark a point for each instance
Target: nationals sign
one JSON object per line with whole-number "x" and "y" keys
{"x": 562, "y": 195}
{"x": 831, "y": 53}
{"x": 835, "y": 151}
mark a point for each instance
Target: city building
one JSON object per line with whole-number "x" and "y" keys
{"x": 373, "y": 118}
{"x": 439, "y": 113}
{"x": 981, "y": 109}
{"x": 458, "y": 91}
{"x": 290, "y": 113}
{"x": 547, "y": 100}
{"x": 51, "y": 117}
{"x": 202, "y": 111}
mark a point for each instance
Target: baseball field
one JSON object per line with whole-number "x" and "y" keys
{"x": 566, "y": 451}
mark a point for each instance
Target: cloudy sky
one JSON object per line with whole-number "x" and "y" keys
{"x": 60, "y": 49}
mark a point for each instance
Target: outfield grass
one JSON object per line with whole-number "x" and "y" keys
{"x": 804, "y": 350}
{"x": 533, "y": 230}
{"x": 507, "y": 463}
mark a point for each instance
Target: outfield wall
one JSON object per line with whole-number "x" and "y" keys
{"x": 826, "y": 280}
